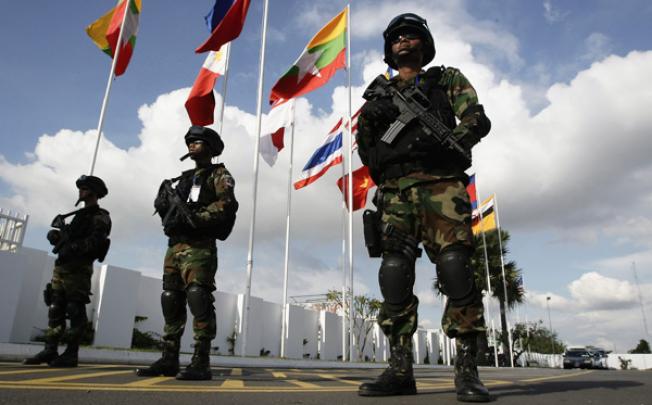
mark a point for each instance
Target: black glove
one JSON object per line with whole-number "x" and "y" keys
{"x": 161, "y": 203}
{"x": 54, "y": 236}
{"x": 380, "y": 112}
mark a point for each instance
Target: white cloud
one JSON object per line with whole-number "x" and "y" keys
{"x": 596, "y": 292}
{"x": 553, "y": 14}
{"x": 598, "y": 46}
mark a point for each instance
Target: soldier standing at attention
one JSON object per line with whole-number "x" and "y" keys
{"x": 77, "y": 245}
{"x": 200, "y": 209}
{"x": 422, "y": 198}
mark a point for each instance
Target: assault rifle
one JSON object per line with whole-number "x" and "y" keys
{"x": 413, "y": 104}
{"x": 175, "y": 204}
{"x": 59, "y": 222}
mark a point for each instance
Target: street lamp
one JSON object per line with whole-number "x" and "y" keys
{"x": 552, "y": 342}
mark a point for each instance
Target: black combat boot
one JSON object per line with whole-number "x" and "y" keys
{"x": 199, "y": 367}
{"x": 68, "y": 358}
{"x": 167, "y": 365}
{"x": 467, "y": 382}
{"x": 46, "y": 355}
{"x": 397, "y": 379}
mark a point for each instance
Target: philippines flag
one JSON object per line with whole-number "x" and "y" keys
{"x": 225, "y": 20}
{"x": 201, "y": 101}
{"x": 326, "y": 156}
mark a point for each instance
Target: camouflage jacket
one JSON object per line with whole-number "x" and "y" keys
{"x": 86, "y": 236}
{"x": 454, "y": 101}
{"x": 213, "y": 209}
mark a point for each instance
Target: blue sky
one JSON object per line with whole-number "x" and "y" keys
{"x": 567, "y": 155}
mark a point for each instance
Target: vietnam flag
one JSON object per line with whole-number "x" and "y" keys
{"x": 105, "y": 31}
{"x": 201, "y": 101}
{"x": 324, "y": 54}
{"x": 362, "y": 182}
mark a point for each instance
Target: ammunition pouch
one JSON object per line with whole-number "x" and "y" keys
{"x": 47, "y": 294}
{"x": 372, "y": 237}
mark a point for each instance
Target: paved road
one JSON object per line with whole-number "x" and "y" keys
{"x": 117, "y": 384}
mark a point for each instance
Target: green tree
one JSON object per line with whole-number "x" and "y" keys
{"x": 535, "y": 337}
{"x": 513, "y": 277}
{"x": 642, "y": 347}
{"x": 365, "y": 309}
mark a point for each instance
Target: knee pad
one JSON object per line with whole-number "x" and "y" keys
{"x": 76, "y": 311}
{"x": 57, "y": 312}
{"x": 396, "y": 278}
{"x": 200, "y": 301}
{"x": 173, "y": 304}
{"x": 455, "y": 276}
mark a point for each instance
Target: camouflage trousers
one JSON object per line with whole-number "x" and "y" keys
{"x": 186, "y": 264}
{"x": 437, "y": 213}
{"x": 71, "y": 283}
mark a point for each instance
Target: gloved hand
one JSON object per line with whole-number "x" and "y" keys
{"x": 380, "y": 112}
{"x": 161, "y": 203}
{"x": 54, "y": 236}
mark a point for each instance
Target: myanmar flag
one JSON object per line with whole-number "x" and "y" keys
{"x": 324, "y": 54}
{"x": 106, "y": 29}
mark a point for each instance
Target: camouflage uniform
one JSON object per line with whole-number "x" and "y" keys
{"x": 427, "y": 201}
{"x": 191, "y": 258}
{"x": 71, "y": 277}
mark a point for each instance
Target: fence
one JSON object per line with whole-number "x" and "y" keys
{"x": 12, "y": 230}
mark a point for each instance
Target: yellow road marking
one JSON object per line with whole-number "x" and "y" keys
{"x": 38, "y": 370}
{"x": 148, "y": 381}
{"x": 230, "y": 384}
{"x": 278, "y": 374}
{"x": 555, "y": 377}
{"x": 335, "y": 378}
{"x": 304, "y": 384}
{"x": 74, "y": 377}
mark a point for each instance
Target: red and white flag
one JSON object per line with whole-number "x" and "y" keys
{"x": 201, "y": 101}
{"x": 280, "y": 117}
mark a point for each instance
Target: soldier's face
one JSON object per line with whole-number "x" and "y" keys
{"x": 406, "y": 44}
{"x": 84, "y": 193}
{"x": 198, "y": 149}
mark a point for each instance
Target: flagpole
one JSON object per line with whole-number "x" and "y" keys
{"x": 345, "y": 333}
{"x": 105, "y": 102}
{"x": 486, "y": 266}
{"x": 284, "y": 320}
{"x": 226, "y": 77}
{"x": 502, "y": 267}
{"x": 250, "y": 254}
{"x": 350, "y": 185}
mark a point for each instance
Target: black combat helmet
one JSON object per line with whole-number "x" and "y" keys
{"x": 210, "y": 137}
{"x": 93, "y": 183}
{"x": 407, "y": 22}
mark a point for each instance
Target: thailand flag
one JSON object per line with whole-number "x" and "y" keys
{"x": 225, "y": 21}
{"x": 326, "y": 156}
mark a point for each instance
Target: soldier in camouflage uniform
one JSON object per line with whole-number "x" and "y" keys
{"x": 77, "y": 244}
{"x": 199, "y": 210}
{"x": 422, "y": 198}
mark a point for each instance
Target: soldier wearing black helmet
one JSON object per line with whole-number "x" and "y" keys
{"x": 200, "y": 209}
{"x": 422, "y": 198}
{"x": 77, "y": 245}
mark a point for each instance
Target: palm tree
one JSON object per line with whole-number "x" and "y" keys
{"x": 513, "y": 278}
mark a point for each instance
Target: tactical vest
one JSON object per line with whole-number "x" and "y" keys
{"x": 82, "y": 227}
{"x": 413, "y": 150}
{"x": 207, "y": 196}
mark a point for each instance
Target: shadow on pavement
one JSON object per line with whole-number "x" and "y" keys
{"x": 549, "y": 387}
